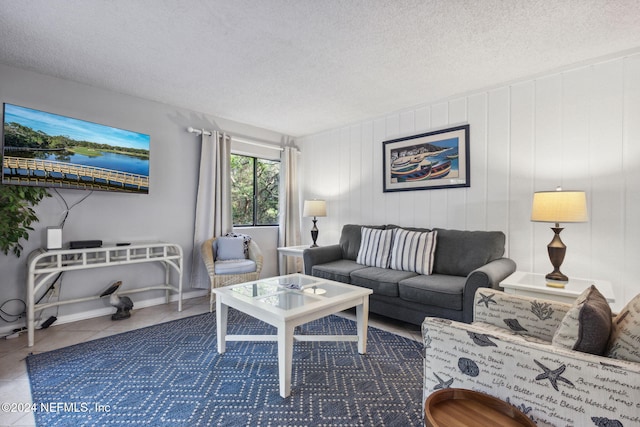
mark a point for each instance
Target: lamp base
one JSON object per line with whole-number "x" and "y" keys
{"x": 556, "y": 249}
{"x": 555, "y": 284}
{"x": 314, "y": 233}
{"x": 557, "y": 276}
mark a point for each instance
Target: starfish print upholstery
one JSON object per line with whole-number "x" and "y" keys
{"x": 442, "y": 384}
{"x": 553, "y": 376}
{"x": 486, "y": 299}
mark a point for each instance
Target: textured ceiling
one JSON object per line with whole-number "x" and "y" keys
{"x": 302, "y": 66}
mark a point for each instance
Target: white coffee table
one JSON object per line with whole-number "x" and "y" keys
{"x": 271, "y": 301}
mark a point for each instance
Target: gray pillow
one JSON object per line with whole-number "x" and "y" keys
{"x": 587, "y": 325}
{"x": 229, "y": 248}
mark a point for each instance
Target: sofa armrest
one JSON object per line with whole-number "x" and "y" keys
{"x": 551, "y": 385}
{"x": 487, "y": 276}
{"x": 320, "y": 255}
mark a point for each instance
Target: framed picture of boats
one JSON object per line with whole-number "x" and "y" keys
{"x": 437, "y": 159}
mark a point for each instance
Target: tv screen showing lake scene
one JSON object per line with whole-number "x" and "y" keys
{"x": 44, "y": 149}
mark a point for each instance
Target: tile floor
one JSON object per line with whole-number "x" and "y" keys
{"x": 14, "y": 381}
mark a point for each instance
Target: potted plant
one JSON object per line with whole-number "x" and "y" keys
{"x": 17, "y": 215}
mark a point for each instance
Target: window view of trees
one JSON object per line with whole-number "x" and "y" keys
{"x": 254, "y": 190}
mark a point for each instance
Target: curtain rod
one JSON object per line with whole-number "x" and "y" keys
{"x": 244, "y": 141}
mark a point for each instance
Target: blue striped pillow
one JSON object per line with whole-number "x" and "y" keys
{"x": 375, "y": 247}
{"x": 413, "y": 251}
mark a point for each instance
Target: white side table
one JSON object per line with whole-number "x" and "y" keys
{"x": 535, "y": 285}
{"x": 294, "y": 251}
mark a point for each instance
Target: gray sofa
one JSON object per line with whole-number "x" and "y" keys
{"x": 464, "y": 261}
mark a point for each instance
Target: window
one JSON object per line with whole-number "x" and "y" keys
{"x": 254, "y": 190}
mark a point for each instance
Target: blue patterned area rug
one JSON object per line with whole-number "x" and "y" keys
{"x": 172, "y": 375}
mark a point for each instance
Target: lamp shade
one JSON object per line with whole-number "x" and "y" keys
{"x": 314, "y": 208}
{"x": 559, "y": 206}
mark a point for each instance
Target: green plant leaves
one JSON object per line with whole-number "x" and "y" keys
{"x": 17, "y": 215}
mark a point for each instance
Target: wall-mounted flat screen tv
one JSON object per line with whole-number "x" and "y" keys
{"x": 44, "y": 149}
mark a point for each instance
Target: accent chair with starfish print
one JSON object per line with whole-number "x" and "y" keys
{"x": 560, "y": 364}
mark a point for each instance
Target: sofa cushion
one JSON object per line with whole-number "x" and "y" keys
{"x": 350, "y": 239}
{"x": 229, "y": 248}
{"x": 461, "y": 252}
{"x": 382, "y": 281}
{"x": 245, "y": 238}
{"x": 624, "y": 342}
{"x": 587, "y": 325}
{"x": 375, "y": 247}
{"x": 438, "y": 290}
{"x": 234, "y": 266}
{"x": 413, "y": 251}
{"x": 339, "y": 270}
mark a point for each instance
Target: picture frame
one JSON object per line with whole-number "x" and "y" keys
{"x": 428, "y": 161}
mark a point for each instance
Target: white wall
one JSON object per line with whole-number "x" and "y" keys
{"x": 578, "y": 129}
{"x": 166, "y": 213}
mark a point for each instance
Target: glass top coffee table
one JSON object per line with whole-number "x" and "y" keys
{"x": 286, "y": 302}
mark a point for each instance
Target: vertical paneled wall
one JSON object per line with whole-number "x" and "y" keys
{"x": 578, "y": 129}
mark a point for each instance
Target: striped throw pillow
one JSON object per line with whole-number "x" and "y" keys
{"x": 413, "y": 251}
{"x": 375, "y": 247}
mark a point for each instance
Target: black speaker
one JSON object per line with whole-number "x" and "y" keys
{"x": 84, "y": 244}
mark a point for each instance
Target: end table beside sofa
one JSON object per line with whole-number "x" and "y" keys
{"x": 537, "y": 286}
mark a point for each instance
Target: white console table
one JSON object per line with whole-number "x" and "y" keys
{"x": 46, "y": 264}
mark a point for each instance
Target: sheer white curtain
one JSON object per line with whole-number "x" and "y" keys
{"x": 213, "y": 205}
{"x": 289, "y": 227}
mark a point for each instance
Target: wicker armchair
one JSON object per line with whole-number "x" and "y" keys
{"x": 218, "y": 280}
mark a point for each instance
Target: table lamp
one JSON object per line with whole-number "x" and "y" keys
{"x": 314, "y": 208}
{"x": 558, "y": 206}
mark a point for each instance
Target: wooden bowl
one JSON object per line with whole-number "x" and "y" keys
{"x": 459, "y": 407}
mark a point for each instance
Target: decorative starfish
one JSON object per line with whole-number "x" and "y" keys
{"x": 443, "y": 384}
{"x": 553, "y": 375}
{"x": 486, "y": 299}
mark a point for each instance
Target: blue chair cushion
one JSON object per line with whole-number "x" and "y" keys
{"x": 229, "y": 248}
{"x": 235, "y": 266}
